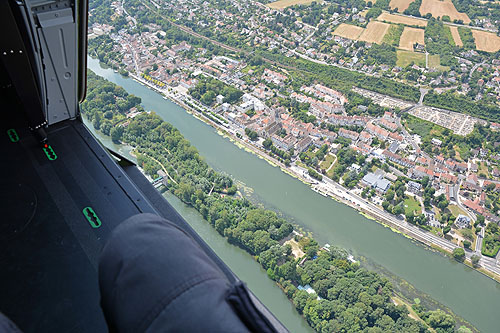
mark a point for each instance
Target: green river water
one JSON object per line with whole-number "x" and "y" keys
{"x": 468, "y": 293}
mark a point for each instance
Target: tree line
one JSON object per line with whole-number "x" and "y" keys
{"x": 348, "y": 297}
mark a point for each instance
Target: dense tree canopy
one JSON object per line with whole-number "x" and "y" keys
{"x": 348, "y": 297}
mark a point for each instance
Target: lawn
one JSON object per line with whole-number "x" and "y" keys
{"x": 412, "y": 205}
{"x": 407, "y": 57}
{"x": 483, "y": 168}
{"x": 327, "y": 162}
{"x": 435, "y": 62}
{"x": 437, "y": 211}
{"x": 455, "y": 210}
{"x": 330, "y": 172}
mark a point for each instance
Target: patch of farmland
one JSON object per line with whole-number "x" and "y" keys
{"x": 440, "y": 8}
{"x": 401, "y": 5}
{"x": 456, "y": 36}
{"x": 486, "y": 41}
{"x": 409, "y": 37}
{"x": 287, "y": 3}
{"x": 348, "y": 31}
{"x": 399, "y": 19}
{"x": 374, "y": 32}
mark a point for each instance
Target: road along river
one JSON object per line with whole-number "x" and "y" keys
{"x": 467, "y": 292}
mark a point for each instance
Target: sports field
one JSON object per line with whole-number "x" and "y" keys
{"x": 409, "y": 37}
{"x": 401, "y": 19}
{"x": 348, "y": 31}
{"x": 486, "y": 41}
{"x": 401, "y": 5}
{"x": 287, "y": 3}
{"x": 440, "y": 8}
{"x": 456, "y": 36}
{"x": 374, "y": 32}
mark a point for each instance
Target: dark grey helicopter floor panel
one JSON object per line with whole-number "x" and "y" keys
{"x": 48, "y": 248}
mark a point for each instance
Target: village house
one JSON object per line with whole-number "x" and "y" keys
{"x": 348, "y": 134}
{"x": 414, "y": 187}
{"x": 398, "y": 159}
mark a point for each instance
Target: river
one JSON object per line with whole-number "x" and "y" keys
{"x": 467, "y": 292}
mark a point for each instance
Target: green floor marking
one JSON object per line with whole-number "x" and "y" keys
{"x": 51, "y": 155}
{"x": 13, "y": 135}
{"x": 92, "y": 217}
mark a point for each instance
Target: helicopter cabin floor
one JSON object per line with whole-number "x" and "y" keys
{"x": 49, "y": 249}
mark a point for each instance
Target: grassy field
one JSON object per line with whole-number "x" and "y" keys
{"x": 348, "y": 31}
{"x": 287, "y": 3}
{"x": 456, "y": 36}
{"x": 424, "y": 128}
{"x": 329, "y": 173}
{"x": 327, "y": 162}
{"x": 486, "y": 41}
{"x": 401, "y": 5}
{"x": 406, "y": 57}
{"x": 455, "y": 210}
{"x": 411, "y": 36}
{"x": 412, "y": 205}
{"x": 483, "y": 168}
{"x": 394, "y": 34}
{"x": 363, "y": 13}
{"x": 374, "y": 32}
{"x": 398, "y": 19}
{"x": 435, "y": 62}
{"x": 440, "y": 8}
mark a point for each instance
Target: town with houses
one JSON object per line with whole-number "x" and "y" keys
{"x": 382, "y": 161}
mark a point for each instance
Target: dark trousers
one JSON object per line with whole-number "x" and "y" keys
{"x": 154, "y": 277}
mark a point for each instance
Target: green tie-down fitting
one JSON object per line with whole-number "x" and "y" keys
{"x": 92, "y": 217}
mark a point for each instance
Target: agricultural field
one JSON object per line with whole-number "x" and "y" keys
{"x": 407, "y": 57}
{"x": 456, "y": 36}
{"x": 486, "y": 41}
{"x": 409, "y": 37}
{"x": 374, "y": 32}
{"x": 392, "y": 18}
{"x": 440, "y": 8}
{"x": 348, "y": 31}
{"x": 393, "y": 35}
{"x": 401, "y": 5}
{"x": 287, "y": 3}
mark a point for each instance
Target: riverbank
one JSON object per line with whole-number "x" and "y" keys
{"x": 326, "y": 219}
{"x": 334, "y": 191}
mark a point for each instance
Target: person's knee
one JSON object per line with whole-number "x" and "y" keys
{"x": 147, "y": 269}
